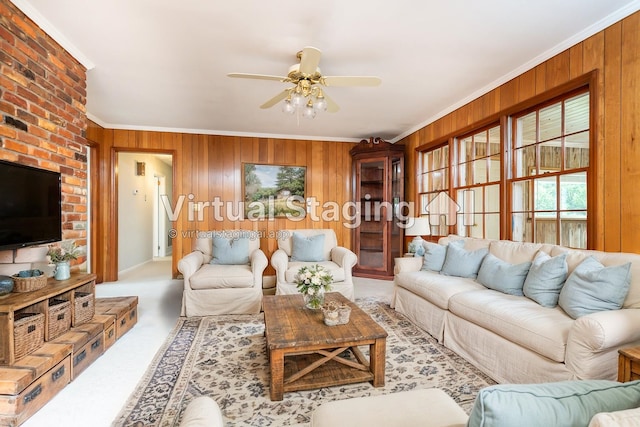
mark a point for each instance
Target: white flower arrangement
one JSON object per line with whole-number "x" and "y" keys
{"x": 312, "y": 281}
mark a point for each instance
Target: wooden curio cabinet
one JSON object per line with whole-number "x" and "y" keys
{"x": 378, "y": 189}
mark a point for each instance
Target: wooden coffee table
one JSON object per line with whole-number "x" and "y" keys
{"x": 304, "y": 353}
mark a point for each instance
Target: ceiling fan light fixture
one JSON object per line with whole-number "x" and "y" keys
{"x": 309, "y": 112}
{"x": 287, "y": 107}
{"x": 297, "y": 100}
{"x": 320, "y": 104}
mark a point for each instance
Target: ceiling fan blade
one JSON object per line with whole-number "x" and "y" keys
{"x": 309, "y": 60}
{"x": 258, "y": 77}
{"x": 273, "y": 101}
{"x": 332, "y": 107}
{"x": 351, "y": 81}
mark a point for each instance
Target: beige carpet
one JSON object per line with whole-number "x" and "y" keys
{"x": 224, "y": 357}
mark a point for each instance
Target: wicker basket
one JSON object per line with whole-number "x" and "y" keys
{"x": 28, "y": 333}
{"x": 59, "y": 318}
{"x": 29, "y": 284}
{"x": 84, "y": 307}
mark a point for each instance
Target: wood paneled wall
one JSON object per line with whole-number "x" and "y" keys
{"x": 615, "y": 54}
{"x": 209, "y": 166}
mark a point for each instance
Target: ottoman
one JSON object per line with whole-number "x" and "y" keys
{"x": 425, "y": 408}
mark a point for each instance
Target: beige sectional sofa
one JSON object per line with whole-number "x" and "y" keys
{"x": 513, "y": 338}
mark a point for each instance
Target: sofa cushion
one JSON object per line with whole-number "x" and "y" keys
{"x": 293, "y": 267}
{"x": 593, "y": 287}
{"x": 624, "y": 418}
{"x": 517, "y": 319}
{"x": 503, "y": 276}
{"x": 230, "y": 251}
{"x": 462, "y": 262}
{"x": 307, "y": 248}
{"x": 216, "y": 276}
{"x": 433, "y": 257}
{"x": 285, "y": 240}
{"x": 517, "y": 252}
{"x": 434, "y": 287}
{"x": 545, "y": 279}
{"x": 563, "y": 403}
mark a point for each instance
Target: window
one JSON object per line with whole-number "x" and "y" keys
{"x": 433, "y": 179}
{"x": 550, "y": 166}
{"x": 477, "y": 183}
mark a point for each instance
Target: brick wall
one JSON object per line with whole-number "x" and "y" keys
{"x": 42, "y": 102}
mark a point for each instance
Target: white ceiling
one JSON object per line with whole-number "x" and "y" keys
{"x": 162, "y": 64}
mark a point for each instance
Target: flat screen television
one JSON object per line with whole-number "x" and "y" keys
{"x": 30, "y": 206}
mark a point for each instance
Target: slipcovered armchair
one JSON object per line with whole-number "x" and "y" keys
{"x": 297, "y": 248}
{"x": 223, "y": 275}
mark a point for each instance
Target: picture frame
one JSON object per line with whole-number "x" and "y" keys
{"x": 274, "y": 191}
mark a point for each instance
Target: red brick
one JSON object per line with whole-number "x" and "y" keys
{"x": 8, "y": 132}
{"x": 25, "y": 25}
{"x": 37, "y": 110}
{"x": 9, "y": 156}
{"x": 10, "y": 109}
{"x": 49, "y": 165}
{"x": 6, "y": 35}
{"x": 39, "y": 153}
{"x": 7, "y": 83}
{"x": 15, "y": 146}
{"x": 15, "y": 100}
{"x": 27, "y": 138}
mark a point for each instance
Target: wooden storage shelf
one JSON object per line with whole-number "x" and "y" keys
{"x": 29, "y": 382}
{"x": 36, "y": 302}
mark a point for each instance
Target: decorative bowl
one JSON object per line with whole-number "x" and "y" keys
{"x": 6, "y": 285}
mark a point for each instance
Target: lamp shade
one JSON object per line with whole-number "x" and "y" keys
{"x": 418, "y": 227}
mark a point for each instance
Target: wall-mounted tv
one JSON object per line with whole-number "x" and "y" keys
{"x": 30, "y": 206}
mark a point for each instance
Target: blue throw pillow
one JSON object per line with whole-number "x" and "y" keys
{"x": 434, "y": 255}
{"x": 563, "y": 403}
{"x": 545, "y": 279}
{"x": 461, "y": 262}
{"x": 502, "y": 276}
{"x": 230, "y": 251}
{"x": 307, "y": 248}
{"x": 592, "y": 287}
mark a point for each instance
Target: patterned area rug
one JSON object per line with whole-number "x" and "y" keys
{"x": 224, "y": 357}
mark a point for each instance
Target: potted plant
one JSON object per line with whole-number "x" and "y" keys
{"x": 61, "y": 255}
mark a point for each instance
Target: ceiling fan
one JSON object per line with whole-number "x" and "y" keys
{"x": 307, "y": 94}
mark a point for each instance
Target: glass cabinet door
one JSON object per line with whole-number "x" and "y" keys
{"x": 371, "y": 187}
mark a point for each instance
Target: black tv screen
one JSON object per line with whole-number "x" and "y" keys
{"x": 30, "y": 206}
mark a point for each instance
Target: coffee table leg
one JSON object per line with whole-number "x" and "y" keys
{"x": 377, "y": 354}
{"x": 276, "y": 363}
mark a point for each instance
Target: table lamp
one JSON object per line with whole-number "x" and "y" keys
{"x": 417, "y": 227}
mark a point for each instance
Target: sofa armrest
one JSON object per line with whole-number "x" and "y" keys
{"x": 202, "y": 412}
{"x": 606, "y": 329}
{"x": 190, "y": 264}
{"x": 407, "y": 264}
{"x": 346, "y": 259}
{"x": 343, "y": 257}
{"x": 258, "y": 264}
{"x": 279, "y": 262}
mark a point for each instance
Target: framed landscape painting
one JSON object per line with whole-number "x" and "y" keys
{"x": 272, "y": 191}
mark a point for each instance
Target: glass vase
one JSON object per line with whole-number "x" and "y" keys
{"x": 315, "y": 301}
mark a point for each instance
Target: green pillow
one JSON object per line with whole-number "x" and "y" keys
{"x": 434, "y": 255}
{"x": 545, "y": 279}
{"x": 230, "y": 251}
{"x": 563, "y": 403}
{"x": 502, "y": 276}
{"x": 461, "y": 262}
{"x": 307, "y": 248}
{"x": 592, "y": 287}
